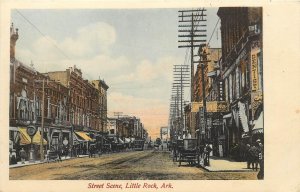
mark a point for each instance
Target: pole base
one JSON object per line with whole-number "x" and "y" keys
{"x": 31, "y": 156}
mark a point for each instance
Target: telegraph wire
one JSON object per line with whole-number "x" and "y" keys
{"x": 36, "y": 28}
{"x": 213, "y": 31}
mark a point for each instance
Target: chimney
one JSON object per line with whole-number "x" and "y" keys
{"x": 13, "y": 39}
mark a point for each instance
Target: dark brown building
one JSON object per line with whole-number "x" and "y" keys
{"x": 88, "y": 100}
{"x": 241, "y": 71}
{"x": 25, "y": 108}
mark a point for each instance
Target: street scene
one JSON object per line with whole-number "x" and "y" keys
{"x": 136, "y": 94}
{"x": 134, "y": 165}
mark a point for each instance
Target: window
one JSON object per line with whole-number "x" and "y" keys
{"x": 237, "y": 74}
{"x": 112, "y": 131}
{"x": 230, "y": 88}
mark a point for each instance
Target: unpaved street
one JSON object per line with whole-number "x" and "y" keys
{"x": 135, "y": 165}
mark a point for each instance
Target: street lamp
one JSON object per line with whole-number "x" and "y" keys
{"x": 31, "y": 131}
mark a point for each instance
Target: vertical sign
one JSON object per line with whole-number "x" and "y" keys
{"x": 202, "y": 122}
{"x": 254, "y": 65}
{"x": 221, "y": 90}
{"x": 209, "y": 122}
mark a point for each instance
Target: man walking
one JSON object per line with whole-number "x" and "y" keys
{"x": 248, "y": 155}
{"x": 207, "y": 151}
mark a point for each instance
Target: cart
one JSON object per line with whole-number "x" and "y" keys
{"x": 177, "y": 147}
{"x": 138, "y": 145}
{"x": 188, "y": 152}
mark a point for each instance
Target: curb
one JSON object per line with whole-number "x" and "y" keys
{"x": 229, "y": 170}
{"x": 38, "y": 162}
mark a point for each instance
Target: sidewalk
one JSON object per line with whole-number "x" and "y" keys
{"x": 27, "y": 163}
{"x": 218, "y": 164}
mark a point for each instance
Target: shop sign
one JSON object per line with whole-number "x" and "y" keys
{"x": 202, "y": 122}
{"x": 217, "y": 106}
{"x": 221, "y": 90}
{"x": 254, "y": 65}
{"x": 209, "y": 123}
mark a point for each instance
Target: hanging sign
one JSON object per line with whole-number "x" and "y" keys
{"x": 255, "y": 48}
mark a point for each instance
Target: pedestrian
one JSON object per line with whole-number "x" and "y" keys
{"x": 14, "y": 158}
{"x": 248, "y": 155}
{"x": 260, "y": 174}
{"x": 48, "y": 156}
{"x": 66, "y": 151}
{"x": 91, "y": 151}
{"x": 254, "y": 153}
{"x": 162, "y": 147}
{"x": 58, "y": 153}
{"x": 207, "y": 151}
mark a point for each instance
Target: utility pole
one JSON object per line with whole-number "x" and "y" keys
{"x": 118, "y": 114}
{"x": 181, "y": 80}
{"x": 191, "y": 31}
{"x": 43, "y": 117}
{"x": 42, "y": 125}
{"x": 203, "y": 62}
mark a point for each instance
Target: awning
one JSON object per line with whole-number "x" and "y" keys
{"x": 25, "y": 138}
{"x": 84, "y": 136}
{"x": 227, "y": 116}
{"x": 127, "y": 140}
{"x": 121, "y": 141}
{"x": 259, "y": 124}
{"x": 76, "y": 139}
{"x": 243, "y": 116}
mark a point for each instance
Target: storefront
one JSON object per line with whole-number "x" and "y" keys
{"x": 82, "y": 141}
{"x": 23, "y": 140}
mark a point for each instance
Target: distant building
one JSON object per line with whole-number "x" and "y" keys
{"x": 165, "y": 133}
{"x": 88, "y": 100}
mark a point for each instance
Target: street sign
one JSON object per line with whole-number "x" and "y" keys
{"x": 202, "y": 122}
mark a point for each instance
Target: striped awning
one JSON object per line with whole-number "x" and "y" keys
{"x": 84, "y": 136}
{"x": 25, "y": 138}
{"x": 259, "y": 124}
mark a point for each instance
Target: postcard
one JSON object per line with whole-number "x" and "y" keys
{"x": 148, "y": 96}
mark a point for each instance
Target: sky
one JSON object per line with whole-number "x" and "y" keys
{"x": 132, "y": 50}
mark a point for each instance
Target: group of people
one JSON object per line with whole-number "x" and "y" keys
{"x": 92, "y": 151}
{"x": 255, "y": 156}
{"x": 205, "y": 153}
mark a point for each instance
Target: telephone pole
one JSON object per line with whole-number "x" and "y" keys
{"x": 180, "y": 81}
{"x": 118, "y": 114}
{"x": 190, "y": 33}
{"x": 203, "y": 52}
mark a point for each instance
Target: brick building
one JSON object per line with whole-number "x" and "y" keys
{"x": 25, "y": 106}
{"x": 88, "y": 100}
{"x": 192, "y": 110}
{"x": 241, "y": 71}
{"x": 74, "y": 109}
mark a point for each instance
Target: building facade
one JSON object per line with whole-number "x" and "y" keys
{"x": 64, "y": 108}
{"x": 241, "y": 70}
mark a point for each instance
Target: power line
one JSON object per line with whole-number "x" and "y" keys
{"x": 213, "y": 31}
{"x": 36, "y": 28}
